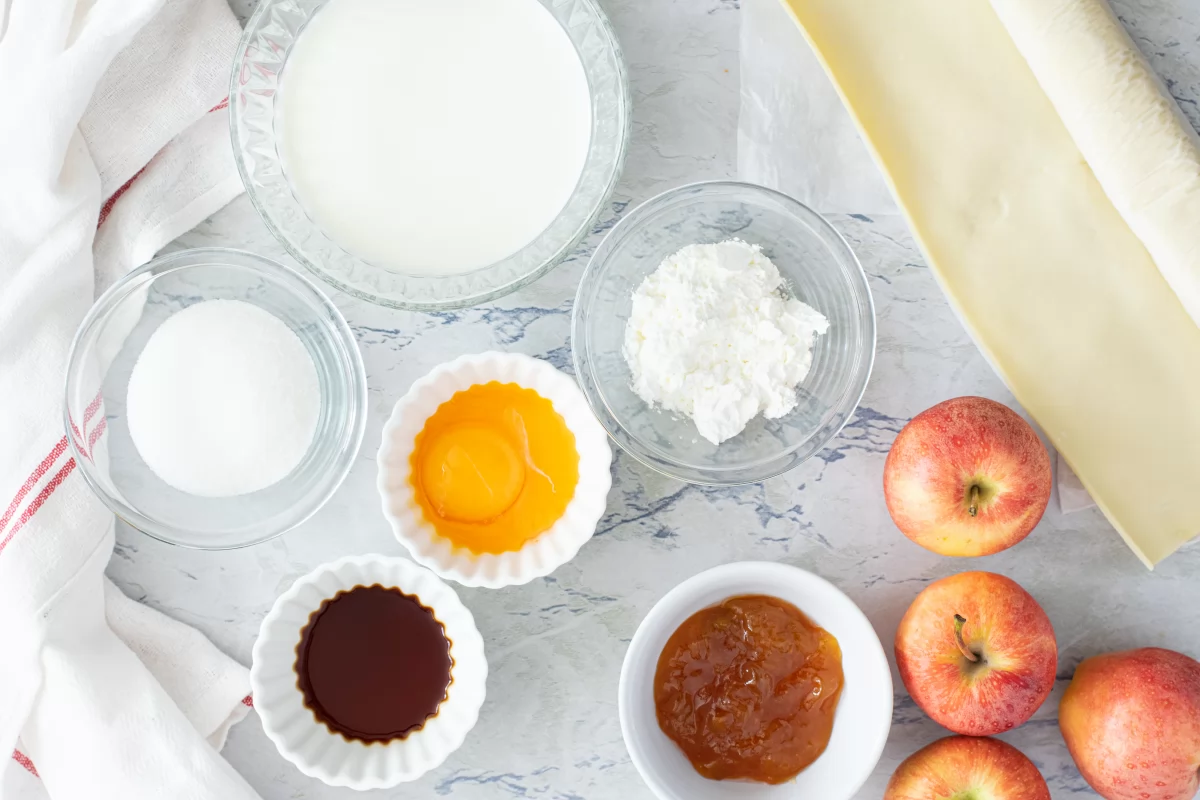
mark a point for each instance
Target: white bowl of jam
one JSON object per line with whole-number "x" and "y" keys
{"x": 368, "y": 672}
{"x": 755, "y": 680}
{"x": 493, "y": 470}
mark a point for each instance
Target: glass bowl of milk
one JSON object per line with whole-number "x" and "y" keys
{"x": 214, "y": 399}
{"x": 429, "y": 155}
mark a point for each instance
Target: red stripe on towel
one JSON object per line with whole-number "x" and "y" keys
{"x": 24, "y": 761}
{"x": 92, "y": 408}
{"x": 107, "y": 208}
{"x": 38, "y": 473}
{"x": 41, "y": 498}
{"x": 77, "y": 434}
{"x": 94, "y": 435}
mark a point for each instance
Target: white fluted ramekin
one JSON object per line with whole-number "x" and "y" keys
{"x": 319, "y": 752}
{"x": 538, "y": 557}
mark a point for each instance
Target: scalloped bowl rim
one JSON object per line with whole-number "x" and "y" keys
{"x": 536, "y": 558}
{"x": 307, "y": 743}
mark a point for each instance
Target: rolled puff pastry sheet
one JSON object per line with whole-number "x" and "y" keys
{"x": 1130, "y": 131}
{"x": 1049, "y": 277}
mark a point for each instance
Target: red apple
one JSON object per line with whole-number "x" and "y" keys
{"x": 968, "y": 477}
{"x": 977, "y": 653}
{"x": 967, "y": 767}
{"x": 1132, "y": 723}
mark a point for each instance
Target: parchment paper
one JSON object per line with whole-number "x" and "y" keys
{"x": 794, "y": 135}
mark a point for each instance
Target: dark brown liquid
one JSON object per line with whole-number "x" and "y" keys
{"x": 373, "y": 663}
{"x": 748, "y": 689}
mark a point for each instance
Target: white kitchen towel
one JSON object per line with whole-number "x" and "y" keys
{"x": 209, "y": 688}
{"x": 112, "y": 116}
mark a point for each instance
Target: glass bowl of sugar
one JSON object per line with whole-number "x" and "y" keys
{"x": 214, "y": 398}
{"x": 427, "y": 155}
{"x": 698, "y": 313}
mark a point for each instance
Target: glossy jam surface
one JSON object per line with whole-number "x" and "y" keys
{"x": 748, "y": 689}
{"x": 373, "y": 664}
{"x": 494, "y": 467}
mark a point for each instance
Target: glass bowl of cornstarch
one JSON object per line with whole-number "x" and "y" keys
{"x": 214, "y": 398}
{"x": 676, "y": 352}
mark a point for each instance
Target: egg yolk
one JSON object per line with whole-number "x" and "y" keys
{"x": 494, "y": 467}
{"x": 472, "y": 474}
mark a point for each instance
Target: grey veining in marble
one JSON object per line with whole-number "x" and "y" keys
{"x": 549, "y": 728}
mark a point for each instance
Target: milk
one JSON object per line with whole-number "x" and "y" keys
{"x": 433, "y": 137}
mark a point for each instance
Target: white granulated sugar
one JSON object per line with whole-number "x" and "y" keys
{"x": 223, "y": 400}
{"x": 714, "y": 335}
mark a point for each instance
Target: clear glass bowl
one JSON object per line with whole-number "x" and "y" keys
{"x": 254, "y": 88}
{"x": 111, "y": 338}
{"x": 818, "y": 267}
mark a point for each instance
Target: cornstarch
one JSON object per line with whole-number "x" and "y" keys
{"x": 716, "y": 336}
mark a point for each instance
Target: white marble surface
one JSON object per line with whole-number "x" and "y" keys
{"x": 549, "y": 728}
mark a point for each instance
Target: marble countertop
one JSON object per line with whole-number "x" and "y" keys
{"x": 549, "y": 729}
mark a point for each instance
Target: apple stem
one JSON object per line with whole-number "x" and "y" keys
{"x": 959, "y": 621}
{"x": 973, "y": 500}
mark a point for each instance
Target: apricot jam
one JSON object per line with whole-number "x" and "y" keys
{"x": 748, "y": 689}
{"x": 494, "y": 467}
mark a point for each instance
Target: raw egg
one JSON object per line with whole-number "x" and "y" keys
{"x": 494, "y": 467}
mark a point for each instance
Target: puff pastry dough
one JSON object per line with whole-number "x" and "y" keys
{"x": 1048, "y": 274}
{"x": 1130, "y": 131}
